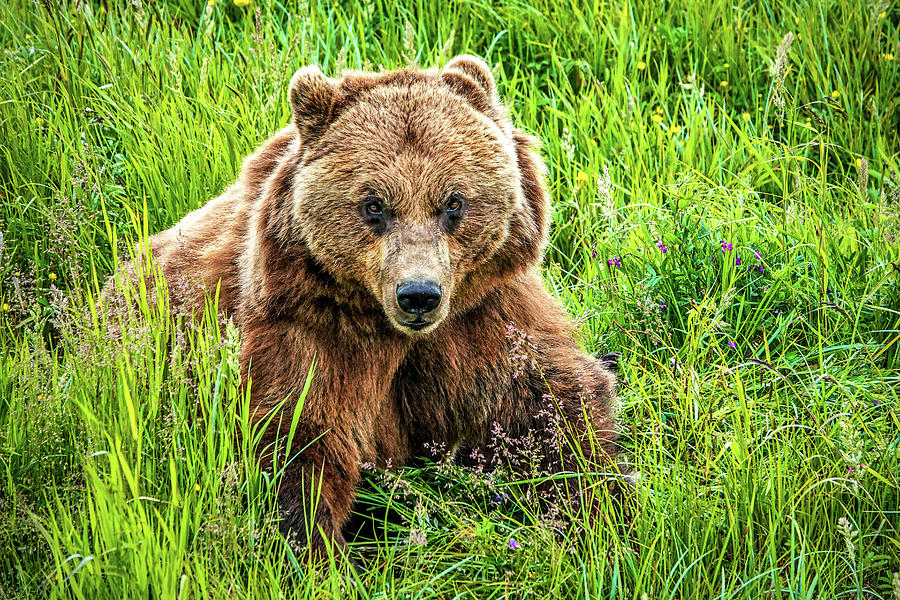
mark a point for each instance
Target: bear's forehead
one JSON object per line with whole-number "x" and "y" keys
{"x": 419, "y": 115}
{"x": 418, "y": 139}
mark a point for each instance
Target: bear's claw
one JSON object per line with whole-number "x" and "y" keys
{"x": 610, "y": 360}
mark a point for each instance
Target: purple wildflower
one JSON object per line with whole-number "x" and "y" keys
{"x": 737, "y": 260}
{"x": 662, "y": 304}
{"x": 662, "y": 247}
{"x": 731, "y": 344}
{"x": 726, "y": 246}
{"x": 513, "y": 544}
{"x": 758, "y": 257}
{"x": 614, "y": 262}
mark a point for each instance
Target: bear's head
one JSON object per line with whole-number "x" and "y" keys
{"x": 414, "y": 184}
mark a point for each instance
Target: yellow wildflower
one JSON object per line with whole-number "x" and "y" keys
{"x": 242, "y": 3}
{"x": 657, "y": 118}
{"x": 659, "y": 110}
{"x": 197, "y": 485}
{"x": 835, "y": 95}
{"x": 723, "y": 84}
{"x": 888, "y": 56}
{"x": 858, "y": 163}
{"x": 727, "y": 65}
{"x": 745, "y": 116}
{"x": 211, "y": 2}
{"x": 581, "y": 178}
{"x": 5, "y": 307}
{"x": 882, "y": 15}
{"x": 641, "y": 65}
{"x": 675, "y": 129}
{"x": 52, "y": 276}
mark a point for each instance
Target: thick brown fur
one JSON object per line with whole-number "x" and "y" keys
{"x": 306, "y": 278}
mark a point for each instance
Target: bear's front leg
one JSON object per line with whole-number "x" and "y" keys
{"x": 344, "y": 420}
{"x": 541, "y": 393}
{"x": 570, "y": 394}
{"x": 315, "y": 495}
{"x": 562, "y": 400}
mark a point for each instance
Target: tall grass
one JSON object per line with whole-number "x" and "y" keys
{"x": 728, "y": 221}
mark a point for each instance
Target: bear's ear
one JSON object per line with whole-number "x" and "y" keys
{"x": 311, "y": 96}
{"x": 471, "y": 77}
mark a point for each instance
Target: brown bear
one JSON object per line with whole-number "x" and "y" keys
{"x": 391, "y": 234}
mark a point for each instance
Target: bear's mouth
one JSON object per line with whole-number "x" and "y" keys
{"x": 417, "y": 325}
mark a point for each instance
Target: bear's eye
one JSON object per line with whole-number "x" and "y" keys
{"x": 374, "y": 214}
{"x": 453, "y": 212}
{"x": 373, "y": 208}
{"x": 454, "y": 203}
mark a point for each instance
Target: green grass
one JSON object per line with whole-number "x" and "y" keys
{"x": 761, "y": 404}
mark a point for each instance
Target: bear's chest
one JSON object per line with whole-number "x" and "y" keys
{"x": 447, "y": 395}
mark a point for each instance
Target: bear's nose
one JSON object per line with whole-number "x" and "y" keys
{"x": 418, "y": 297}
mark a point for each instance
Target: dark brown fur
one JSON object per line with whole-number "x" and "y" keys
{"x": 305, "y": 279}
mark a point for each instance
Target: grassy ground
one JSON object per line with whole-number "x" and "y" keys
{"x": 727, "y": 214}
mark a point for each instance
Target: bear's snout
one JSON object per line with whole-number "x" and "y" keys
{"x": 417, "y": 298}
{"x": 416, "y": 278}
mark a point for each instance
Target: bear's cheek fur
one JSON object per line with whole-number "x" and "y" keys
{"x": 334, "y": 232}
{"x": 483, "y": 231}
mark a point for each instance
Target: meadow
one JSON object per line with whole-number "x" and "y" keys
{"x": 726, "y": 215}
